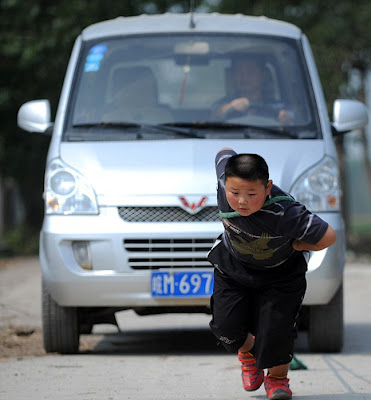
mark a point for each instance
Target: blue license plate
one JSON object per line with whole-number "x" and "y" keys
{"x": 182, "y": 284}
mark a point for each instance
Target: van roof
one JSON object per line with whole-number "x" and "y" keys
{"x": 180, "y": 23}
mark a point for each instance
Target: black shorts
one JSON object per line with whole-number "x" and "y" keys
{"x": 265, "y": 303}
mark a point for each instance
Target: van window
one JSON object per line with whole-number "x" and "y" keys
{"x": 129, "y": 83}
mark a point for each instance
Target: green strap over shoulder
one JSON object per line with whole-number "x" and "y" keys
{"x": 234, "y": 214}
{"x": 277, "y": 198}
{"x": 228, "y": 215}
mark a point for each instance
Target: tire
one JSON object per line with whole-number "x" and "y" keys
{"x": 60, "y": 326}
{"x": 326, "y": 325}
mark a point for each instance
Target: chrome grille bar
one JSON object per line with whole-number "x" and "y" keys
{"x": 168, "y": 253}
{"x": 167, "y": 214}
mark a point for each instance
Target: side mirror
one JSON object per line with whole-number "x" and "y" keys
{"x": 34, "y": 116}
{"x": 349, "y": 115}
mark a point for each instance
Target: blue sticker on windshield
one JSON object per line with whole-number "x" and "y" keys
{"x": 91, "y": 67}
{"x": 94, "y": 58}
{"x": 99, "y": 48}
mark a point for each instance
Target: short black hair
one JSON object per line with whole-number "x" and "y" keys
{"x": 247, "y": 57}
{"x": 251, "y": 167}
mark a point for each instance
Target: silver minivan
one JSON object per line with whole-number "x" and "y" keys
{"x": 130, "y": 186}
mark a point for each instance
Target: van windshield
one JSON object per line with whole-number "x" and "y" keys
{"x": 186, "y": 86}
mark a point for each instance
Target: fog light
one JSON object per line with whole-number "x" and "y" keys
{"x": 81, "y": 251}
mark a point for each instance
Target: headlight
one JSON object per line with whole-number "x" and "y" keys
{"x": 318, "y": 188}
{"x": 67, "y": 191}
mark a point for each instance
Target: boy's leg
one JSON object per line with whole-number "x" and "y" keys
{"x": 279, "y": 370}
{"x": 230, "y": 312}
{"x": 279, "y": 309}
{"x": 230, "y": 306}
{"x": 279, "y": 306}
{"x": 248, "y": 345}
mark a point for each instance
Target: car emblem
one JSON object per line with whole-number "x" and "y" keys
{"x": 193, "y": 205}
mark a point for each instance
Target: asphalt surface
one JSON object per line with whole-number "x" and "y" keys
{"x": 170, "y": 356}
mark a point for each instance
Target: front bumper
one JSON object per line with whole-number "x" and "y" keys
{"x": 114, "y": 282}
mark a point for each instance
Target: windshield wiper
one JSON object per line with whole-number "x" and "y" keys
{"x": 167, "y": 128}
{"x": 279, "y": 131}
{"x": 205, "y": 125}
{"x": 171, "y": 128}
{"x": 215, "y": 125}
{"x": 118, "y": 125}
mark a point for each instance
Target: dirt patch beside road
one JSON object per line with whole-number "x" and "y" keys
{"x": 19, "y": 342}
{"x": 20, "y": 303}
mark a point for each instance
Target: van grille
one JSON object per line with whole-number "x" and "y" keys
{"x": 167, "y": 214}
{"x": 168, "y": 253}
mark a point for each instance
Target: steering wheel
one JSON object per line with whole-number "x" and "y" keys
{"x": 255, "y": 109}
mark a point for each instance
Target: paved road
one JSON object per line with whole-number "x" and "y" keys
{"x": 172, "y": 356}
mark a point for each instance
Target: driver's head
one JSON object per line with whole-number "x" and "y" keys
{"x": 247, "y": 75}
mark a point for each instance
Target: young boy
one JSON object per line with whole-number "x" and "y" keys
{"x": 260, "y": 264}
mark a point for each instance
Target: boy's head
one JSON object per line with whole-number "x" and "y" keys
{"x": 247, "y": 183}
{"x": 251, "y": 167}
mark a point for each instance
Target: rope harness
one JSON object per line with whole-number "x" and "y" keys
{"x": 234, "y": 214}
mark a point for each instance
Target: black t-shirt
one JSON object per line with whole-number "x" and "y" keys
{"x": 263, "y": 239}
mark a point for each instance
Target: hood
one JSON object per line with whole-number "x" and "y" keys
{"x": 143, "y": 171}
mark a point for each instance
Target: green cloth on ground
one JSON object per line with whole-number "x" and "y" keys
{"x": 297, "y": 364}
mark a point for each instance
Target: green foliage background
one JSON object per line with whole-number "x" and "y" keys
{"x": 36, "y": 38}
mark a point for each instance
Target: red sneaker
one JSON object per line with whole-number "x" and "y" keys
{"x": 277, "y": 388}
{"x": 252, "y": 377}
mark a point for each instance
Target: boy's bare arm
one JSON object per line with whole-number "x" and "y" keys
{"x": 328, "y": 239}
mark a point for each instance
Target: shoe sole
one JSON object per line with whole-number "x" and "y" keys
{"x": 281, "y": 395}
{"x": 252, "y": 390}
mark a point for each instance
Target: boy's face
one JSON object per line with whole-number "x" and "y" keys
{"x": 246, "y": 197}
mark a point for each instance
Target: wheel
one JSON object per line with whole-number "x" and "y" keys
{"x": 60, "y": 326}
{"x": 326, "y": 325}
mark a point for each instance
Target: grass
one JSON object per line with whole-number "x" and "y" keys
{"x": 360, "y": 228}
{"x": 19, "y": 241}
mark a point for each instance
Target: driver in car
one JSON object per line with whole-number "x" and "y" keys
{"x": 249, "y": 96}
